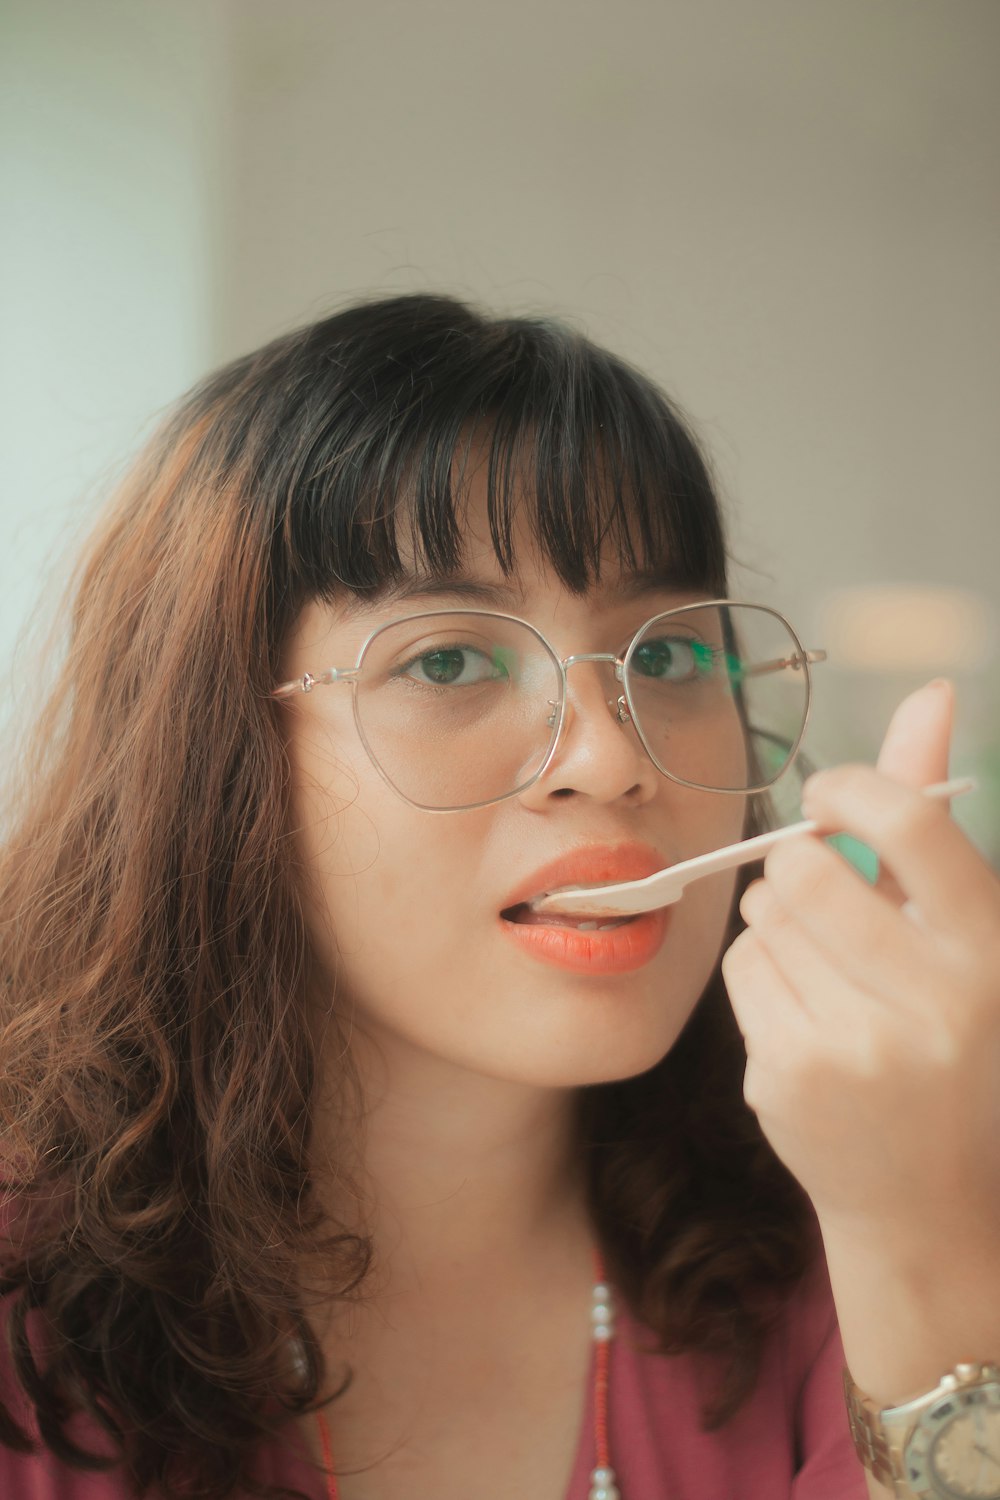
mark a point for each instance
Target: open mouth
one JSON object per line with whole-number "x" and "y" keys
{"x": 524, "y": 916}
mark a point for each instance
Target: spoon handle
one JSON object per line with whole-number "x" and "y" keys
{"x": 666, "y": 886}
{"x": 748, "y": 850}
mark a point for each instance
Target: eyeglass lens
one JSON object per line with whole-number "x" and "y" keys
{"x": 459, "y": 709}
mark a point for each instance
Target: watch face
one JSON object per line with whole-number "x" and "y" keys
{"x": 954, "y": 1451}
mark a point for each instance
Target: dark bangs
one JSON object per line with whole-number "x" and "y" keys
{"x": 366, "y": 421}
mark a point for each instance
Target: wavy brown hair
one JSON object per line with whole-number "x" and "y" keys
{"x": 158, "y": 1058}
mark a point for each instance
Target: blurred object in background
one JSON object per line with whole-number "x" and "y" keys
{"x": 884, "y": 641}
{"x": 787, "y": 214}
{"x": 896, "y": 627}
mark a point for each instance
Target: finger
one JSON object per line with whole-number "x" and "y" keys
{"x": 888, "y": 886}
{"x": 915, "y": 752}
{"x": 936, "y": 866}
{"x": 776, "y": 1030}
{"x": 866, "y": 862}
{"x": 830, "y": 933}
{"x": 916, "y": 746}
{"x": 768, "y": 1012}
{"x": 803, "y": 966}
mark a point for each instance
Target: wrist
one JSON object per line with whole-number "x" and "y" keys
{"x": 909, "y": 1312}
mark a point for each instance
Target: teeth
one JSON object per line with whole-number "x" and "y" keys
{"x": 599, "y": 922}
{"x": 599, "y": 926}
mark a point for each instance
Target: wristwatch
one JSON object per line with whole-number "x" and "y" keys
{"x": 944, "y": 1445}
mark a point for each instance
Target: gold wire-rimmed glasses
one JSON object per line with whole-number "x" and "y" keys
{"x": 461, "y": 708}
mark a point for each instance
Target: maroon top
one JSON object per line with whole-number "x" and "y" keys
{"x": 789, "y": 1441}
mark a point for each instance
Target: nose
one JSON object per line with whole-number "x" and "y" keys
{"x": 598, "y": 753}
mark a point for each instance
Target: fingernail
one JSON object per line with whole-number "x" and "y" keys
{"x": 861, "y": 856}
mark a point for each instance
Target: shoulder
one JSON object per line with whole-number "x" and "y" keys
{"x": 40, "y": 1475}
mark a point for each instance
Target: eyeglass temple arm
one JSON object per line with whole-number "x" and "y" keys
{"x": 778, "y": 664}
{"x": 307, "y": 681}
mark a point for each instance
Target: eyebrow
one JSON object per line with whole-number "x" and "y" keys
{"x": 479, "y": 591}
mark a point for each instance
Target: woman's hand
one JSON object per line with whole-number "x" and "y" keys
{"x": 871, "y": 1014}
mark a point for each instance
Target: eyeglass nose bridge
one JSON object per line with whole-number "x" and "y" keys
{"x": 619, "y": 705}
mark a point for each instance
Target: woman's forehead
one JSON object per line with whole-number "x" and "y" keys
{"x": 619, "y": 598}
{"x": 480, "y": 570}
{"x": 489, "y": 588}
{"x": 623, "y": 598}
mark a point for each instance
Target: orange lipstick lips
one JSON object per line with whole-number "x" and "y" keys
{"x": 580, "y": 944}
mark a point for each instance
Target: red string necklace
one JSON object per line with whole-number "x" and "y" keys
{"x": 603, "y": 1484}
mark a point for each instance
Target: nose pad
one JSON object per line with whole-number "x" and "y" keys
{"x": 593, "y": 755}
{"x": 618, "y": 704}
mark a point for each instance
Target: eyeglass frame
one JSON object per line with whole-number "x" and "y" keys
{"x": 624, "y": 709}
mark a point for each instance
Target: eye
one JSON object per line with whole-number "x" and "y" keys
{"x": 456, "y": 666}
{"x": 672, "y": 659}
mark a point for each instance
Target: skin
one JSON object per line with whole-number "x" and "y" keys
{"x": 863, "y": 1028}
{"x": 446, "y": 986}
{"x": 877, "y": 1028}
{"x": 469, "y": 1049}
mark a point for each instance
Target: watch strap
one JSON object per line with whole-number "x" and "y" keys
{"x": 882, "y": 1437}
{"x": 870, "y": 1441}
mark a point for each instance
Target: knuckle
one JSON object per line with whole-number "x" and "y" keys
{"x": 752, "y": 900}
{"x": 801, "y": 869}
{"x": 932, "y": 1054}
{"x": 850, "y": 777}
{"x": 868, "y": 932}
{"x": 770, "y": 921}
{"x": 873, "y": 1055}
{"x": 946, "y": 1047}
{"x": 912, "y": 822}
{"x": 755, "y": 1088}
{"x": 738, "y": 953}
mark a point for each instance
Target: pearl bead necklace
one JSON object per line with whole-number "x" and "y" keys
{"x": 603, "y": 1483}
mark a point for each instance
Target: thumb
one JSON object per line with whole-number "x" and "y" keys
{"x": 918, "y": 740}
{"x": 915, "y": 753}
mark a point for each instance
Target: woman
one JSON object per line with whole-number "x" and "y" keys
{"x": 318, "y": 1135}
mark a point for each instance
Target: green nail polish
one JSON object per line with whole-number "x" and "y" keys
{"x": 864, "y": 859}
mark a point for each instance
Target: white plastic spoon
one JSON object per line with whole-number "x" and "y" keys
{"x": 667, "y": 886}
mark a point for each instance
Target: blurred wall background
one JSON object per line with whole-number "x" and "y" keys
{"x": 788, "y": 212}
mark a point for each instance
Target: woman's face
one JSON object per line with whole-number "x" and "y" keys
{"x": 404, "y": 906}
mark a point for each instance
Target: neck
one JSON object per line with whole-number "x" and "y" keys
{"x": 464, "y": 1180}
